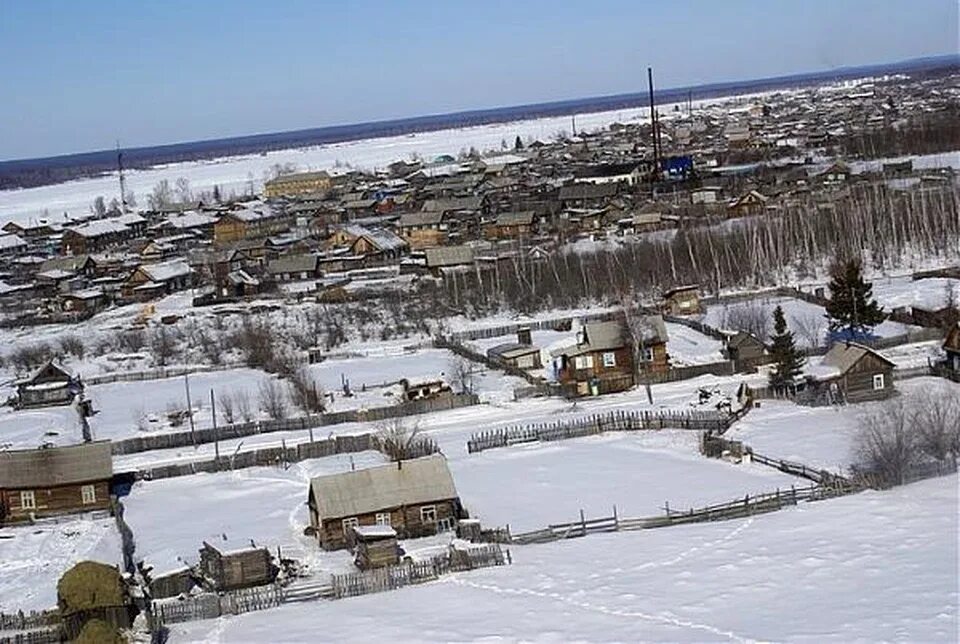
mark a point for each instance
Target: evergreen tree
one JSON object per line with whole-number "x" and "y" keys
{"x": 788, "y": 360}
{"x": 518, "y": 144}
{"x": 852, "y": 310}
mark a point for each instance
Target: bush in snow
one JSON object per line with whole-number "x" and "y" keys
{"x": 272, "y": 400}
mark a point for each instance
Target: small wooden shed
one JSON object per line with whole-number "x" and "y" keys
{"x": 375, "y": 546}
{"x": 232, "y": 569}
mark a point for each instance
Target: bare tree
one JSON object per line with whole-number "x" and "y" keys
{"x": 750, "y": 317}
{"x": 272, "y": 400}
{"x": 885, "y": 445}
{"x": 462, "y": 374}
{"x": 227, "y": 408}
{"x": 73, "y": 345}
{"x": 810, "y": 327}
{"x": 401, "y": 440}
{"x": 162, "y": 195}
{"x": 242, "y": 402}
{"x": 99, "y": 207}
{"x": 163, "y": 345}
{"x": 306, "y": 392}
{"x": 936, "y": 417}
{"x": 183, "y": 192}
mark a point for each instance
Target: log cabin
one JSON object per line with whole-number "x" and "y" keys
{"x": 850, "y": 373}
{"x": 232, "y": 569}
{"x": 416, "y": 498}
{"x": 49, "y": 481}
{"x": 603, "y": 359}
{"x": 682, "y": 300}
{"x": 50, "y": 385}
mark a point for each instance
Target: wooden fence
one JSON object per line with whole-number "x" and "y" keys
{"x": 242, "y": 430}
{"x": 617, "y": 421}
{"x": 736, "y": 509}
{"x": 276, "y": 456}
{"x": 36, "y": 636}
{"x": 158, "y": 373}
{"x": 405, "y": 574}
{"x": 210, "y": 605}
{"x": 533, "y": 325}
{"x": 21, "y": 621}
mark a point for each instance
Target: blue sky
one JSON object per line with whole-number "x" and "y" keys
{"x": 78, "y": 75}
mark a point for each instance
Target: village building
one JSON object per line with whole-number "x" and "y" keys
{"x": 11, "y": 245}
{"x": 601, "y": 362}
{"x": 951, "y": 347}
{"x": 424, "y": 229}
{"x": 249, "y": 223}
{"x": 49, "y": 481}
{"x": 224, "y": 570}
{"x": 424, "y": 390}
{"x": 289, "y": 268}
{"x": 375, "y": 546}
{"x": 416, "y": 498}
{"x": 52, "y": 384}
{"x": 300, "y": 183}
{"x": 851, "y": 373}
{"x": 748, "y": 204}
{"x": 746, "y": 350}
{"x": 511, "y": 225}
{"x": 100, "y": 234}
{"x": 682, "y": 300}
{"x": 522, "y": 354}
{"x": 150, "y": 281}
{"x": 446, "y": 258}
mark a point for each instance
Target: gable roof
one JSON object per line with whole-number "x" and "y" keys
{"x": 293, "y": 264}
{"x": 842, "y": 356}
{"x": 424, "y": 218}
{"x": 448, "y": 256}
{"x": 412, "y": 482}
{"x": 522, "y": 218}
{"x": 166, "y": 271}
{"x": 48, "y": 466}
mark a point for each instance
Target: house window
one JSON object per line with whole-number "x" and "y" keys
{"x": 350, "y": 524}
{"x": 878, "y": 382}
{"x": 27, "y": 500}
{"x": 88, "y": 494}
{"x": 445, "y": 525}
{"x": 609, "y": 359}
{"x": 583, "y": 362}
{"x": 383, "y": 518}
{"x": 647, "y": 354}
{"x": 428, "y": 514}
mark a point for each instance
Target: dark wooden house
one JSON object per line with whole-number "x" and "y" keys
{"x": 682, "y": 300}
{"x": 375, "y": 546}
{"x": 746, "y": 350}
{"x": 54, "y": 480}
{"x": 52, "y": 384}
{"x": 232, "y": 569}
{"x": 851, "y": 373}
{"x": 416, "y": 498}
{"x": 601, "y": 362}
{"x": 951, "y": 346}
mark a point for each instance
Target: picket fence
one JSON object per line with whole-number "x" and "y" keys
{"x": 241, "y": 430}
{"x": 211, "y": 605}
{"x": 38, "y": 636}
{"x": 407, "y": 573}
{"x": 158, "y": 373}
{"x": 533, "y": 325}
{"x": 21, "y": 621}
{"x": 617, "y": 421}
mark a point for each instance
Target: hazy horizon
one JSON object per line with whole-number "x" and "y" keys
{"x": 178, "y": 72}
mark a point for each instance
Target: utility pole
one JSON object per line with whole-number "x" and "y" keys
{"x": 216, "y": 438}
{"x": 193, "y": 436}
{"x": 653, "y": 127}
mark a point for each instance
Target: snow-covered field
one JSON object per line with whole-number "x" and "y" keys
{"x": 171, "y": 518}
{"x": 877, "y": 566}
{"x": 929, "y": 293}
{"x": 32, "y": 558}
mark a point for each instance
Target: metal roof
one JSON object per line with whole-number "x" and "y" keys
{"x": 412, "y": 482}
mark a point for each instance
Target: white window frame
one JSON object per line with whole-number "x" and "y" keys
{"x": 88, "y": 494}
{"x": 383, "y": 518}
{"x": 349, "y": 523}
{"x": 428, "y": 514}
{"x": 583, "y": 362}
{"x": 609, "y": 359}
{"x": 28, "y": 500}
{"x": 879, "y": 382}
{"x": 647, "y": 354}
{"x": 445, "y": 525}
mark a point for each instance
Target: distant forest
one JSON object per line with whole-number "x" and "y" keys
{"x": 38, "y": 172}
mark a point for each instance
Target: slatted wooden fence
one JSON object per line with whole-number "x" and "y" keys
{"x": 617, "y": 421}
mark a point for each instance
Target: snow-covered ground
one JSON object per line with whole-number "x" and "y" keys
{"x": 807, "y": 321}
{"x": 32, "y": 558}
{"x": 876, "y": 566}
{"x": 929, "y": 293}
{"x": 171, "y": 518}
{"x": 688, "y": 347}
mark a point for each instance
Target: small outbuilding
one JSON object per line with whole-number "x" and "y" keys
{"x": 375, "y": 546}
{"x": 240, "y": 568}
{"x": 682, "y": 300}
{"x": 51, "y": 385}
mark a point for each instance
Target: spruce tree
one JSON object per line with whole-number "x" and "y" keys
{"x": 518, "y": 144}
{"x": 851, "y": 309}
{"x": 788, "y": 360}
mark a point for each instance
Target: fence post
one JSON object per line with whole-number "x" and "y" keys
{"x": 583, "y": 523}
{"x": 616, "y": 519}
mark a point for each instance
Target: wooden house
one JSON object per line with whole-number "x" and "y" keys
{"x": 250, "y": 223}
{"x": 746, "y": 350}
{"x": 49, "y": 481}
{"x": 231, "y": 569}
{"x": 511, "y": 225}
{"x": 379, "y": 243}
{"x": 299, "y": 183}
{"x": 50, "y": 385}
{"x": 522, "y": 354}
{"x": 289, "y": 268}
{"x": 83, "y": 302}
{"x": 682, "y": 300}
{"x": 375, "y": 546}
{"x": 423, "y": 229}
{"x": 849, "y": 372}
{"x": 747, "y": 204}
{"x": 99, "y": 234}
{"x": 149, "y": 281}
{"x": 416, "y": 498}
{"x": 601, "y": 362}
{"x": 445, "y": 258}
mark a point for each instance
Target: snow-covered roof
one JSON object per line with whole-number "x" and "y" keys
{"x": 9, "y": 242}
{"x": 190, "y": 219}
{"x": 166, "y": 271}
{"x": 48, "y": 466}
{"x": 412, "y": 482}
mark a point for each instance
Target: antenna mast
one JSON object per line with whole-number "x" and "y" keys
{"x": 123, "y": 181}
{"x": 654, "y": 127}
